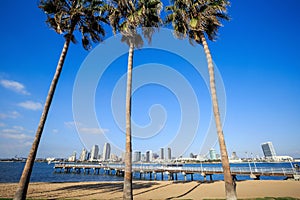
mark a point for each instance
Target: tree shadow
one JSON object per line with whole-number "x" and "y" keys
{"x": 185, "y": 193}
{"x": 151, "y": 189}
{"x": 101, "y": 187}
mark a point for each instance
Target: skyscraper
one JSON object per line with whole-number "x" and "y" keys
{"x": 234, "y": 156}
{"x": 162, "y": 156}
{"x": 137, "y": 156}
{"x": 149, "y": 156}
{"x": 88, "y": 155}
{"x": 106, "y": 152}
{"x": 83, "y": 155}
{"x": 94, "y": 153}
{"x": 143, "y": 157}
{"x": 73, "y": 157}
{"x": 212, "y": 154}
{"x": 268, "y": 150}
{"x": 169, "y": 154}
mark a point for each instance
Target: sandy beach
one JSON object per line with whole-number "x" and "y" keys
{"x": 155, "y": 190}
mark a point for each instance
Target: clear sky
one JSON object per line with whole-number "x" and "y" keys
{"x": 257, "y": 55}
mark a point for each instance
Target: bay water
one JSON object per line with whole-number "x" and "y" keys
{"x": 10, "y": 172}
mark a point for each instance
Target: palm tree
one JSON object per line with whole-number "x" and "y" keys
{"x": 126, "y": 16}
{"x": 195, "y": 19}
{"x": 64, "y": 16}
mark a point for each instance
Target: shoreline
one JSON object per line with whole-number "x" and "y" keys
{"x": 155, "y": 190}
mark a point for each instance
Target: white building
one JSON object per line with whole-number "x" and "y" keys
{"x": 283, "y": 158}
{"x": 268, "y": 150}
{"x": 94, "y": 153}
{"x": 234, "y": 156}
{"x": 143, "y": 157}
{"x": 212, "y": 154}
{"x": 169, "y": 154}
{"x": 162, "y": 153}
{"x": 137, "y": 156}
{"x": 83, "y": 155}
{"x": 106, "y": 152}
{"x": 73, "y": 157}
{"x": 149, "y": 156}
{"x": 114, "y": 157}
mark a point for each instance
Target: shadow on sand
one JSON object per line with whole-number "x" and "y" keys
{"x": 106, "y": 187}
{"x": 117, "y": 187}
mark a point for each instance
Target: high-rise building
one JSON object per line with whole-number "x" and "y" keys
{"x": 212, "y": 154}
{"x": 155, "y": 156}
{"x": 106, "y": 152}
{"x": 114, "y": 157}
{"x": 73, "y": 157}
{"x": 192, "y": 155}
{"x": 169, "y": 154}
{"x": 162, "y": 155}
{"x": 149, "y": 156}
{"x": 137, "y": 156}
{"x": 123, "y": 156}
{"x": 268, "y": 150}
{"x": 234, "y": 156}
{"x": 143, "y": 157}
{"x": 88, "y": 156}
{"x": 94, "y": 153}
{"x": 83, "y": 155}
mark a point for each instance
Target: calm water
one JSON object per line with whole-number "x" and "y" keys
{"x": 44, "y": 172}
{"x": 10, "y": 172}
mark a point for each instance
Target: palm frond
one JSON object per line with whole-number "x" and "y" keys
{"x": 87, "y": 16}
{"x": 127, "y": 16}
{"x": 193, "y": 17}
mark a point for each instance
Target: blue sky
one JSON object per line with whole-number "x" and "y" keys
{"x": 256, "y": 53}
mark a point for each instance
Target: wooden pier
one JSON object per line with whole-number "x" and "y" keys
{"x": 172, "y": 172}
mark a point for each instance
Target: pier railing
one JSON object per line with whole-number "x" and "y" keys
{"x": 203, "y": 170}
{"x": 216, "y": 170}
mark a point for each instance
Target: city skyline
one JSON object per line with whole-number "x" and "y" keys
{"x": 268, "y": 154}
{"x": 260, "y": 75}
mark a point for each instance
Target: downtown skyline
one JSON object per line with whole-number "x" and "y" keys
{"x": 258, "y": 63}
{"x": 268, "y": 153}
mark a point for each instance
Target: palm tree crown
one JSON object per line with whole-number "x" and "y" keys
{"x": 195, "y": 17}
{"x": 65, "y": 16}
{"x": 128, "y": 15}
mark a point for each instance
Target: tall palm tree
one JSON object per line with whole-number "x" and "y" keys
{"x": 126, "y": 16}
{"x": 64, "y": 16}
{"x": 195, "y": 19}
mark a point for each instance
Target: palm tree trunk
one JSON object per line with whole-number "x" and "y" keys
{"x": 25, "y": 178}
{"x": 230, "y": 186}
{"x": 127, "y": 190}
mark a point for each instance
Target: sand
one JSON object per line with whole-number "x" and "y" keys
{"x": 155, "y": 190}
